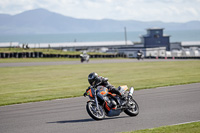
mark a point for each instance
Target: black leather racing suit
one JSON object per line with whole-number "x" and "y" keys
{"x": 101, "y": 81}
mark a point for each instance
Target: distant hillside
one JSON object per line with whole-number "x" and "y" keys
{"x": 41, "y": 21}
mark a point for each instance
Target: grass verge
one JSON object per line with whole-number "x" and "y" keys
{"x": 46, "y": 51}
{"x": 193, "y": 127}
{"x": 16, "y": 60}
{"x": 37, "y": 83}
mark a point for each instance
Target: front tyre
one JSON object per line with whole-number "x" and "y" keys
{"x": 94, "y": 112}
{"x": 133, "y": 108}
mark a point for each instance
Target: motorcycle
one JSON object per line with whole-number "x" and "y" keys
{"x": 140, "y": 56}
{"x": 84, "y": 57}
{"x": 103, "y": 103}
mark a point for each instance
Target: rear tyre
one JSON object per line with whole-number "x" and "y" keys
{"x": 94, "y": 112}
{"x": 133, "y": 108}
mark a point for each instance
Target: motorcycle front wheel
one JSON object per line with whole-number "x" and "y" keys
{"x": 133, "y": 108}
{"x": 97, "y": 114}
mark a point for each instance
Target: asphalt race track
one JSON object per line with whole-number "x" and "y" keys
{"x": 78, "y": 62}
{"x": 158, "y": 107}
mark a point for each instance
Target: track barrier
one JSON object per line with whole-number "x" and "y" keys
{"x": 42, "y": 55}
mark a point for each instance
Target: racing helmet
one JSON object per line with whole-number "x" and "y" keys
{"x": 92, "y": 78}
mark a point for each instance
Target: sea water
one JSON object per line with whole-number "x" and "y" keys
{"x": 175, "y": 36}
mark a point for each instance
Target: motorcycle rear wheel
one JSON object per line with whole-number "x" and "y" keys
{"x": 94, "y": 112}
{"x": 133, "y": 108}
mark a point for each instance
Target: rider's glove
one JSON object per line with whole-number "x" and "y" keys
{"x": 85, "y": 94}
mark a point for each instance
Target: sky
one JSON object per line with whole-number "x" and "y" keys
{"x": 142, "y": 10}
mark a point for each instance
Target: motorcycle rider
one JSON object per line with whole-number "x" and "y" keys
{"x": 96, "y": 81}
{"x": 139, "y": 54}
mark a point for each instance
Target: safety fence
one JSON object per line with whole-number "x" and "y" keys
{"x": 42, "y": 55}
{"x": 179, "y": 57}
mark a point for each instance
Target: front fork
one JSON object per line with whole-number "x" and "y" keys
{"x": 96, "y": 101}
{"x": 130, "y": 95}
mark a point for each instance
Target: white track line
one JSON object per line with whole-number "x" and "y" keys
{"x": 185, "y": 123}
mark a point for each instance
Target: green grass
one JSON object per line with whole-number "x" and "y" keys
{"x": 37, "y": 83}
{"x": 46, "y": 51}
{"x": 182, "y": 128}
{"x": 14, "y": 60}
